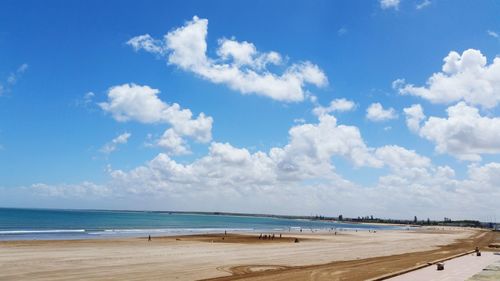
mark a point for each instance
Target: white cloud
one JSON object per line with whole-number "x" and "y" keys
{"x": 239, "y": 65}
{"x": 242, "y": 53}
{"x": 397, "y": 157}
{"x": 414, "y": 116}
{"x": 141, "y": 103}
{"x": 488, "y": 174}
{"x": 13, "y": 78}
{"x": 423, "y": 4}
{"x": 492, "y": 33}
{"x": 299, "y": 173}
{"x": 173, "y": 142}
{"x": 134, "y": 102}
{"x": 245, "y": 54}
{"x": 342, "y": 105}
{"x": 376, "y": 112}
{"x": 318, "y": 143}
{"x": 465, "y": 77}
{"x": 147, "y": 43}
{"x": 307, "y": 156}
{"x": 113, "y": 144}
{"x": 465, "y": 134}
{"x": 337, "y": 105}
{"x": 389, "y": 4}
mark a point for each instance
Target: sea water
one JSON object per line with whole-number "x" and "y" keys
{"x": 48, "y": 224}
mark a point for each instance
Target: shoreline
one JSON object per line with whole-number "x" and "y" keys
{"x": 104, "y": 234}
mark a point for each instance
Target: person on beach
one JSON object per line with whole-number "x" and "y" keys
{"x": 149, "y": 238}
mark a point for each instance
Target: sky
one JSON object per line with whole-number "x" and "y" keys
{"x": 387, "y": 108}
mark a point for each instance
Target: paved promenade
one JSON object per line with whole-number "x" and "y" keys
{"x": 469, "y": 267}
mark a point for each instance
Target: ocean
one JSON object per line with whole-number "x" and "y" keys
{"x": 48, "y": 224}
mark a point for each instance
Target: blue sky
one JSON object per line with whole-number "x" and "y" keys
{"x": 64, "y": 144}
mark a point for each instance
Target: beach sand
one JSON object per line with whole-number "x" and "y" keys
{"x": 348, "y": 255}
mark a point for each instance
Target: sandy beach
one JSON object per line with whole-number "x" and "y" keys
{"x": 349, "y": 255}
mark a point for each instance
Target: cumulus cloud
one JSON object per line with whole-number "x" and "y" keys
{"x": 488, "y": 174}
{"x": 397, "y": 157}
{"x": 389, "y": 4}
{"x": 113, "y": 144}
{"x": 464, "y": 134}
{"x": 376, "y": 112}
{"x": 299, "y": 171}
{"x": 307, "y": 156}
{"x": 131, "y": 102}
{"x": 414, "y": 116}
{"x": 309, "y": 151}
{"x": 239, "y": 65}
{"x": 173, "y": 142}
{"x": 336, "y": 105}
{"x": 318, "y": 143}
{"x": 466, "y": 77}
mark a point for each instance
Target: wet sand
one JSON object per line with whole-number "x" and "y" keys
{"x": 348, "y": 255}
